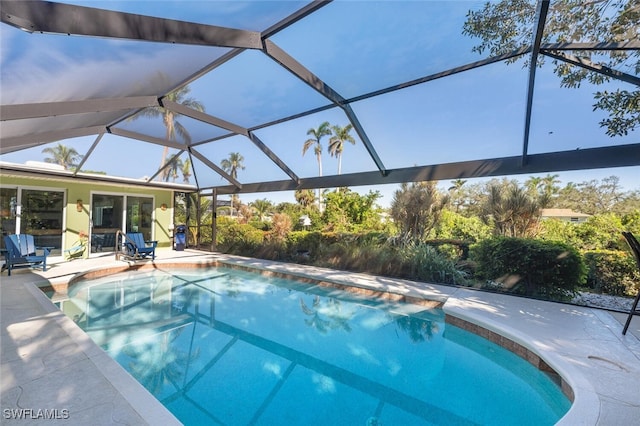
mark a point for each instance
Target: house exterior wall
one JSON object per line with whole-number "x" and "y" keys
{"x": 75, "y": 221}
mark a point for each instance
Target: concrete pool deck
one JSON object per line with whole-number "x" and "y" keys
{"x": 48, "y": 363}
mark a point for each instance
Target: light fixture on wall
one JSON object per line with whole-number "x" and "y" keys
{"x": 163, "y": 206}
{"x": 79, "y": 205}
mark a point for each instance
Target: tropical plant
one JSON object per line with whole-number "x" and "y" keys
{"x": 185, "y": 169}
{"x": 508, "y": 25}
{"x": 416, "y": 209}
{"x": 305, "y": 197}
{"x": 543, "y": 188}
{"x": 173, "y": 127}
{"x": 336, "y": 142}
{"x": 62, "y": 155}
{"x": 262, "y": 208}
{"x": 315, "y": 141}
{"x": 457, "y": 198}
{"x": 281, "y": 226}
{"x": 172, "y": 169}
{"x": 511, "y": 211}
{"x": 231, "y": 165}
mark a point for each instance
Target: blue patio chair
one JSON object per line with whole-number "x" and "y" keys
{"x": 137, "y": 248}
{"x": 21, "y": 252}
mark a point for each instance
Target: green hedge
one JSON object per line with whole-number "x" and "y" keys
{"x": 612, "y": 272}
{"x": 530, "y": 267}
{"x": 237, "y": 238}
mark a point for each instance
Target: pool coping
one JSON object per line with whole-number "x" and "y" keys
{"x": 588, "y": 363}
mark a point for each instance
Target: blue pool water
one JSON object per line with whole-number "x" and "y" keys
{"x": 229, "y": 347}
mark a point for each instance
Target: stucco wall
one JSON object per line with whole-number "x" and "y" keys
{"x": 77, "y": 221}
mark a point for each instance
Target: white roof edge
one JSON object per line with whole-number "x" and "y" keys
{"x": 34, "y": 169}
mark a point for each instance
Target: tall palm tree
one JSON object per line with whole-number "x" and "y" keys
{"x": 323, "y": 130}
{"x": 62, "y": 155}
{"x": 231, "y": 166}
{"x": 173, "y": 127}
{"x": 336, "y": 143}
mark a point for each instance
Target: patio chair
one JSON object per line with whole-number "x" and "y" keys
{"x": 21, "y": 252}
{"x": 635, "y": 248}
{"x": 137, "y": 248}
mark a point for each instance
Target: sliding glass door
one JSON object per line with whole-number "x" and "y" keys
{"x": 111, "y": 213}
{"x": 42, "y": 216}
{"x": 140, "y": 215}
{"x": 106, "y": 218}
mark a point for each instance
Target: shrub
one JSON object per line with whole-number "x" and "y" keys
{"x": 612, "y": 272}
{"x": 428, "y": 264}
{"x": 237, "y": 238}
{"x": 280, "y": 227}
{"x": 530, "y": 267}
{"x": 304, "y": 241}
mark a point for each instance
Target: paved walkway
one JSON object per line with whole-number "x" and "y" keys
{"x": 48, "y": 363}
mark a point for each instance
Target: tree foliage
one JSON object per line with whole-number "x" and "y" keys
{"x": 347, "y": 210}
{"x": 508, "y": 25}
{"x": 340, "y": 135}
{"x": 173, "y": 128}
{"x": 512, "y": 211}
{"x": 416, "y": 208}
{"x": 62, "y": 155}
{"x": 530, "y": 267}
{"x": 592, "y": 197}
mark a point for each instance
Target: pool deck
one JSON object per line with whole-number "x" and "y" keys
{"x": 48, "y": 363}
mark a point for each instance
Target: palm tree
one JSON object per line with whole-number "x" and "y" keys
{"x": 262, "y": 208}
{"x": 172, "y": 125}
{"x": 512, "y": 211}
{"x": 543, "y": 188}
{"x": 305, "y": 197}
{"x": 456, "y": 196}
{"x": 549, "y": 188}
{"x": 323, "y": 130}
{"x": 172, "y": 169}
{"x": 231, "y": 166}
{"x": 186, "y": 170}
{"x": 62, "y": 155}
{"x": 336, "y": 143}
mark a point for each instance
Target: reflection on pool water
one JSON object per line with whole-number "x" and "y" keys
{"x": 222, "y": 346}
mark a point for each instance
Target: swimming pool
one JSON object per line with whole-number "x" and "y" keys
{"x": 222, "y": 346}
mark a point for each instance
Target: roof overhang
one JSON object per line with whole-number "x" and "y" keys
{"x": 21, "y": 170}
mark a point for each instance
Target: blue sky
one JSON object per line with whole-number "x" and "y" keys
{"x": 355, "y": 49}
